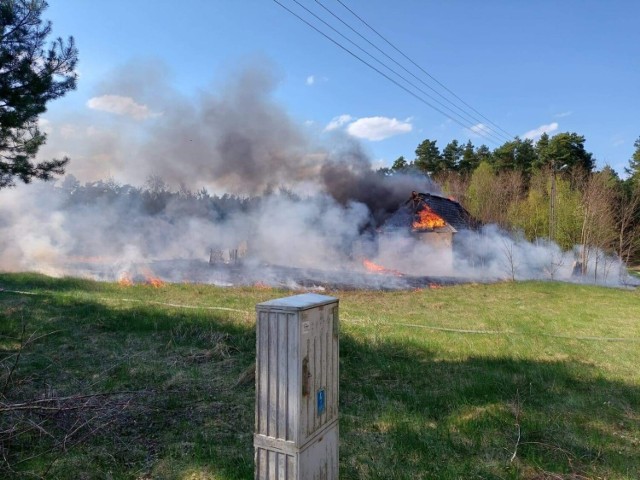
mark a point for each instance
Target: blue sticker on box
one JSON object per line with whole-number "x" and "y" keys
{"x": 321, "y": 401}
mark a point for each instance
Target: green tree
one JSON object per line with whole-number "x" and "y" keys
{"x": 566, "y": 150}
{"x": 451, "y": 155}
{"x": 516, "y": 155}
{"x": 428, "y": 157}
{"x": 469, "y": 159}
{"x": 567, "y": 218}
{"x": 531, "y": 215}
{"x": 483, "y": 197}
{"x": 542, "y": 152}
{"x": 633, "y": 170}
{"x": 483, "y": 153}
{"x": 31, "y": 75}
{"x": 384, "y": 172}
{"x": 400, "y": 164}
{"x": 535, "y": 216}
{"x": 504, "y": 157}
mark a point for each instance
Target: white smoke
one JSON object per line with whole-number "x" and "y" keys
{"x": 237, "y": 140}
{"x": 286, "y": 237}
{"x": 493, "y": 254}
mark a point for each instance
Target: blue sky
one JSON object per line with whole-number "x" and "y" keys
{"x": 569, "y": 66}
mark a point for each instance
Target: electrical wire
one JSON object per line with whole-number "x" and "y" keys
{"x": 479, "y": 128}
{"x": 474, "y": 118}
{"x": 368, "y": 64}
{"x": 489, "y": 133}
{"x": 510, "y": 136}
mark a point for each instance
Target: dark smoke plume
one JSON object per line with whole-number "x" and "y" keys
{"x": 349, "y": 178}
{"x": 230, "y": 140}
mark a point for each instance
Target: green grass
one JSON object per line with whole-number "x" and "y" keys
{"x": 505, "y": 381}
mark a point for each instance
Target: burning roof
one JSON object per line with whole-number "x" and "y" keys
{"x": 429, "y": 207}
{"x": 427, "y": 219}
{"x": 425, "y": 211}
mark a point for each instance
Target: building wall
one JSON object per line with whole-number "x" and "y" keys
{"x": 441, "y": 244}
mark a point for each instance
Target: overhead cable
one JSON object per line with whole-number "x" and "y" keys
{"x": 510, "y": 136}
{"x": 395, "y": 82}
{"x": 473, "y": 118}
{"x": 488, "y": 132}
{"x": 479, "y": 129}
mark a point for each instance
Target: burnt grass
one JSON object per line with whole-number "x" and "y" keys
{"x": 98, "y": 381}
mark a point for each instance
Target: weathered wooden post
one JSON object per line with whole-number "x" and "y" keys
{"x": 296, "y": 430}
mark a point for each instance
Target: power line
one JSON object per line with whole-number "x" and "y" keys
{"x": 501, "y": 136}
{"x": 480, "y": 129}
{"x": 422, "y": 69}
{"x": 371, "y": 66}
{"x": 488, "y": 133}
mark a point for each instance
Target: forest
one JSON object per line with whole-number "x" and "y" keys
{"x": 549, "y": 189}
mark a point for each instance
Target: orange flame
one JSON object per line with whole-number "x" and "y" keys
{"x": 374, "y": 267}
{"x": 151, "y": 279}
{"x": 126, "y": 280}
{"x": 427, "y": 219}
{"x": 155, "y": 282}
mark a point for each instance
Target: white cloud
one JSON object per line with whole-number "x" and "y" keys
{"x": 563, "y": 114}
{"x": 617, "y": 140}
{"x": 337, "y": 122}
{"x": 120, "y": 105}
{"x": 378, "y": 128}
{"x": 480, "y": 130}
{"x": 45, "y": 125}
{"x": 315, "y": 80}
{"x": 537, "y": 132}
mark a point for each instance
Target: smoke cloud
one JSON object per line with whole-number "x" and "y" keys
{"x": 294, "y": 211}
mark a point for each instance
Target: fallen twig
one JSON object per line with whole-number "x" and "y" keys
{"x": 16, "y": 361}
{"x": 41, "y": 404}
{"x": 517, "y": 413}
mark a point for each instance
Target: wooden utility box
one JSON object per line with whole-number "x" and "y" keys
{"x": 296, "y": 429}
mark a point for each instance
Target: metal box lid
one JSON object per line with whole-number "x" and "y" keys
{"x": 303, "y": 301}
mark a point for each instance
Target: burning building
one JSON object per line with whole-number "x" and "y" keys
{"x": 333, "y": 212}
{"x": 433, "y": 212}
{"x": 433, "y": 221}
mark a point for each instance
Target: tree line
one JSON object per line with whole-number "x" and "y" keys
{"x": 155, "y": 198}
{"x": 547, "y": 190}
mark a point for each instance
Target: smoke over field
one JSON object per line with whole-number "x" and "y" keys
{"x": 230, "y": 171}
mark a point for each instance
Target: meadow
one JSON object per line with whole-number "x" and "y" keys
{"x": 513, "y": 380}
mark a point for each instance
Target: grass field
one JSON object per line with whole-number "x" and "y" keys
{"x": 504, "y": 381}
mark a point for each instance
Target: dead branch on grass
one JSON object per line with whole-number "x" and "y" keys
{"x": 16, "y": 361}
{"x": 568, "y": 455}
{"x": 518, "y": 409}
{"x": 63, "y": 421}
{"x": 24, "y": 343}
{"x": 53, "y": 423}
{"x": 65, "y": 403}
